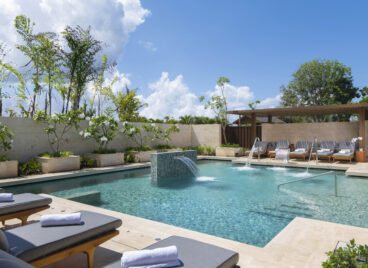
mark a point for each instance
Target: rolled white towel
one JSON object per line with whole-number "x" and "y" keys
{"x": 6, "y": 197}
{"x": 169, "y": 264}
{"x": 150, "y": 257}
{"x": 61, "y": 219}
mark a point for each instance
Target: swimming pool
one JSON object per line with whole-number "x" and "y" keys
{"x": 230, "y": 201}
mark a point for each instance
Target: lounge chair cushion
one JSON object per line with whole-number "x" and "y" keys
{"x": 9, "y": 261}
{"x": 325, "y": 153}
{"x": 24, "y": 202}
{"x": 195, "y": 254}
{"x": 31, "y": 242}
{"x": 344, "y": 154}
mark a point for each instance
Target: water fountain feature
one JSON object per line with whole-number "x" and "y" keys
{"x": 250, "y": 156}
{"x": 173, "y": 164}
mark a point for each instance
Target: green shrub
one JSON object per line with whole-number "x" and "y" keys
{"x": 205, "y": 150}
{"x": 164, "y": 147}
{"x": 129, "y": 157}
{"x": 139, "y": 149}
{"x": 57, "y": 154}
{"x": 3, "y": 158}
{"x": 350, "y": 256}
{"x": 230, "y": 145}
{"x": 104, "y": 151}
{"x": 87, "y": 162}
{"x": 30, "y": 167}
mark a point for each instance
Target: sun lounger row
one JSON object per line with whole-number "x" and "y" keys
{"x": 35, "y": 245}
{"x": 323, "y": 150}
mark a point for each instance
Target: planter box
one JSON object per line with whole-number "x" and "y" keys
{"x": 59, "y": 164}
{"x": 230, "y": 152}
{"x": 8, "y": 169}
{"x": 144, "y": 156}
{"x": 106, "y": 160}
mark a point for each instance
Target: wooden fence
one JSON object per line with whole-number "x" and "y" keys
{"x": 241, "y": 135}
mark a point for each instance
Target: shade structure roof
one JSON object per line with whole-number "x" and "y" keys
{"x": 351, "y": 108}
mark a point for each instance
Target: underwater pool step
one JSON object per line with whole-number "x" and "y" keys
{"x": 293, "y": 213}
{"x": 296, "y": 207}
{"x": 269, "y": 214}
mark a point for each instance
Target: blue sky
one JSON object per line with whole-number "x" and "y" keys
{"x": 173, "y": 51}
{"x": 255, "y": 43}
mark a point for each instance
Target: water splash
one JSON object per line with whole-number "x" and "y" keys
{"x": 277, "y": 168}
{"x": 205, "y": 178}
{"x": 304, "y": 174}
{"x": 246, "y": 168}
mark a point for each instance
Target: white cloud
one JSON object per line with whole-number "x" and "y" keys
{"x": 111, "y": 20}
{"x": 270, "y": 102}
{"x": 174, "y": 98}
{"x": 149, "y": 46}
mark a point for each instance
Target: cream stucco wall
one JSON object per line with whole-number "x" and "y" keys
{"x": 336, "y": 131}
{"x": 30, "y": 139}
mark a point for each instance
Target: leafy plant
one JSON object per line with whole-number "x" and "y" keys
{"x": 57, "y": 154}
{"x": 230, "y": 145}
{"x": 30, "y": 167}
{"x": 6, "y": 139}
{"x": 351, "y": 256}
{"x": 58, "y": 125}
{"x": 205, "y": 150}
{"x": 87, "y": 162}
{"x": 102, "y": 129}
{"x": 129, "y": 156}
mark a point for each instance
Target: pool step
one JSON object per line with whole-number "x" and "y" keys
{"x": 292, "y": 212}
{"x": 271, "y": 214}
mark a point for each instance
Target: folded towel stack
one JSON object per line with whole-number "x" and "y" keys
{"x": 61, "y": 219}
{"x": 154, "y": 258}
{"x": 6, "y": 197}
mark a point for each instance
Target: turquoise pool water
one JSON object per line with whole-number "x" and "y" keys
{"x": 226, "y": 200}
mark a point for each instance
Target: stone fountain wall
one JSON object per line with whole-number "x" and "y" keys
{"x": 165, "y": 165}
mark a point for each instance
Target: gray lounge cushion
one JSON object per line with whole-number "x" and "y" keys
{"x": 325, "y": 153}
{"x": 31, "y": 242}
{"x": 9, "y": 261}
{"x": 195, "y": 254}
{"x": 24, "y": 202}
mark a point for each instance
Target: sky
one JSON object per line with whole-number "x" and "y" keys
{"x": 174, "y": 51}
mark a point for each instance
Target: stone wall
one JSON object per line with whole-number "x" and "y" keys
{"x": 336, "y": 131}
{"x": 30, "y": 139}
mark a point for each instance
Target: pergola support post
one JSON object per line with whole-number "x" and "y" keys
{"x": 362, "y": 129}
{"x": 253, "y": 128}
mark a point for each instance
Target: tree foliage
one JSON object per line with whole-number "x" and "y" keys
{"x": 319, "y": 83}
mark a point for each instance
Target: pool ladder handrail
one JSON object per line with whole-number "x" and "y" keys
{"x": 312, "y": 177}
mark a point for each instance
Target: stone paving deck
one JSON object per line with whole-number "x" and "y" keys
{"x": 302, "y": 243}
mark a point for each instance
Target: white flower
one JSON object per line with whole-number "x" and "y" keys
{"x": 11, "y": 141}
{"x": 125, "y": 123}
{"x": 87, "y": 134}
{"x": 107, "y": 123}
{"x": 81, "y": 116}
{"x": 90, "y": 123}
{"x": 81, "y": 133}
{"x": 53, "y": 116}
{"x": 153, "y": 125}
{"x": 88, "y": 118}
{"x": 104, "y": 139}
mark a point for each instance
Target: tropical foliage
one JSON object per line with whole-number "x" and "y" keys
{"x": 6, "y": 140}
{"x": 57, "y": 126}
{"x": 102, "y": 129}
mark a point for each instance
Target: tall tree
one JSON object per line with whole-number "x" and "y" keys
{"x": 32, "y": 49}
{"x": 320, "y": 82}
{"x": 50, "y": 53}
{"x": 79, "y": 60}
{"x": 218, "y": 105}
{"x": 6, "y": 72}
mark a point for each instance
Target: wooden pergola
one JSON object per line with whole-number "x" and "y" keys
{"x": 360, "y": 109}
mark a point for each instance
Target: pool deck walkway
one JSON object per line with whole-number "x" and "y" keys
{"x": 302, "y": 243}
